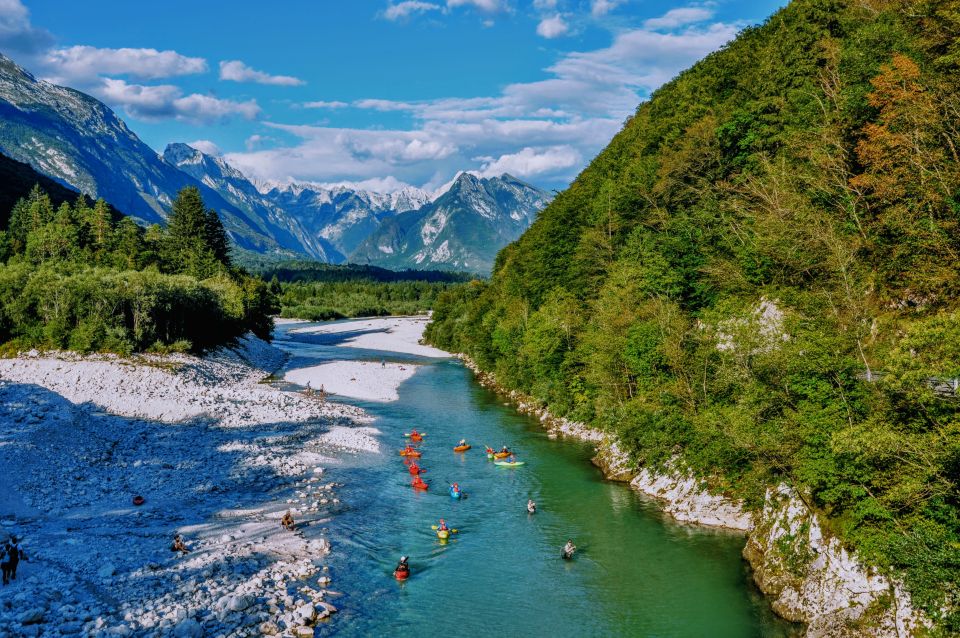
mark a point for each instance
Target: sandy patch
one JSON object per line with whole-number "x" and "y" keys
{"x": 366, "y": 380}
{"x": 388, "y": 334}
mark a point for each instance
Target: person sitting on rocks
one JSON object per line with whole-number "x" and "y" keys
{"x": 179, "y": 545}
{"x": 287, "y": 521}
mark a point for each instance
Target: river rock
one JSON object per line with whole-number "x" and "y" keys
{"x": 303, "y": 632}
{"x": 188, "y": 628}
{"x": 31, "y": 616}
{"x": 269, "y": 628}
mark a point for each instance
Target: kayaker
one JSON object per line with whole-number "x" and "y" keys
{"x": 569, "y": 549}
{"x": 462, "y": 443}
{"x": 287, "y": 521}
{"x": 418, "y": 482}
{"x": 512, "y": 459}
{"x": 414, "y": 434}
{"x": 409, "y": 449}
{"x": 504, "y": 450}
{"x": 403, "y": 568}
{"x": 442, "y": 527}
{"x": 455, "y": 488}
{"x": 531, "y": 506}
{"x": 414, "y": 468}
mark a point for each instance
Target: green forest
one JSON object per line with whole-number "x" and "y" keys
{"x": 77, "y": 276}
{"x": 758, "y": 279}
{"x": 319, "y": 292}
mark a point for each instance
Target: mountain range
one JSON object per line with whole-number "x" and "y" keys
{"x": 78, "y": 141}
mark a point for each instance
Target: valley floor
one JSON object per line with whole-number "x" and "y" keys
{"x": 218, "y": 456}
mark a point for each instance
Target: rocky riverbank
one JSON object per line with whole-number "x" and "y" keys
{"x": 217, "y": 455}
{"x": 809, "y": 577}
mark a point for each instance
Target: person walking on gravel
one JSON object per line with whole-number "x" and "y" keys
{"x": 11, "y": 555}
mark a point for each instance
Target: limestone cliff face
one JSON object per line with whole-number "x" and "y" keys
{"x": 812, "y": 578}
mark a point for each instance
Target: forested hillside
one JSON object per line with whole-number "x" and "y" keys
{"x": 75, "y": 277}
{"x": 759, "y": 276}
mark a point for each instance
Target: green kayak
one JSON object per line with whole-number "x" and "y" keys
{"x": 508, "y": 463}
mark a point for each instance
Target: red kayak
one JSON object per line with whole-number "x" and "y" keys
{"x": 400, "y": 574}
{"x": 415, "y": 469}
{"x": 418, "y": 484}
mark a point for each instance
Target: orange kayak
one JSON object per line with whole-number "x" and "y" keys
{"x": 413, "y": 453}
{"x": 419, "y": 485}
{"x": 502, "y": 455}
{"x": 461, "y": 448}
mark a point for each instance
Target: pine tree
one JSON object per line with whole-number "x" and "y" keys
{"x": 217, "y": 239}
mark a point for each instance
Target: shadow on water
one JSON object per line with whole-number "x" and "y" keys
{"x": 635, "y": 574}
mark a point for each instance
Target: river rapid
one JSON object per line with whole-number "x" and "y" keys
{"x": 636, "y": 573}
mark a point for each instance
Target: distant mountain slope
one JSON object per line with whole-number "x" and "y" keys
{"x": 463, "y": 229}
{"x": 80, "y": 142}
{"x": 235, "y": 188}
{"x": 16, "y": 180}
{"x": 342, "y": 216}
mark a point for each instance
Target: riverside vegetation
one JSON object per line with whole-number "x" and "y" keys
{"x": 80, "y": 277}
{"x": 757, "y": 279}
{"x": 320, "y": 292}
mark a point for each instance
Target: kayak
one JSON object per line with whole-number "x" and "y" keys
{"x": 443, "y": 534}
{"x": 411, "y": 435}
{"x": 461, "y": 448}
{"x": 139, "y": 500}
{"x": 502, "y": 455}
{"x": 419, "y": 486}
{"x": 415, "y": 469}
{"x": 489, "y": 456}
{"x": 509, "y": 464}
{"x": 455, "y": 493}
{"x": 400, "y": 574}
{"x": 410, "y": 453}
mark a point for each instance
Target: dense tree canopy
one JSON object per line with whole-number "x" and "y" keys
{"x": 74, "y": 278}
{"x": 758, "y": 277}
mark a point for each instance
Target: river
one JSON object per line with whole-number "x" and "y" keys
{"x": 636, "y": 573}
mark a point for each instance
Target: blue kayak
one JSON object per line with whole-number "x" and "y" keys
{"x": 455, "y": 493}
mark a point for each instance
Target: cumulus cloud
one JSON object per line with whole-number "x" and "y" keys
{"x": 384, "y": 105}
{"x": 206, "y": 146}
{"x": 406, "y": 9}
{"x": 530, "y": 162}
{"x": 78, "y": 64}
{"x": 679, "y": 17}
{"x": 544, "y": 5}
{"x": 552, "y": 27}
{"x": 603, "y": 7}
{"x": 166, "y": 101}
{"x": 321, "y": 104}
{"x": 16, "y": 32}
{"x": 237, "y": 71}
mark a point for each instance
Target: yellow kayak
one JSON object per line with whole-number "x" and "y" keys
{"x": 443, "y": 534}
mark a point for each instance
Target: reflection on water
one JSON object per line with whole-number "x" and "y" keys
{"x": 635, "y": 574}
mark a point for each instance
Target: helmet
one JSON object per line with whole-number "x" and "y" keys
{"x": 403, "y": 559}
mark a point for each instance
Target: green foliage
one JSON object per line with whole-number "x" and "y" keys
{"x": 768, "y": 227}
{"x": 74, "y": 278}
{"x": 320, "y": 301}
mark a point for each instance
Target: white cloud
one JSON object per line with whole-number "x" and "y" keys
{"x": 384, "y": 105}
{"x": 406, "y": 9}
{"x": 16, "y": 32}
{"x": 489, "y": 6}
{"x": 164, "y": 101}
{"x": 529, "y": 162}
{"x": 321, "y": 104}
{"x": 237, "y": 71}
{"x": 388, "y": 184}
{"x": 544, "y": 5}
{"x": 543, "y": 129}
{"x": 680, "y": 17}
{"x": 206, "y": 146}
{"x": 552, "y": 27}
{"x": 603, "y": 7}
{"x": 79, "y": 64}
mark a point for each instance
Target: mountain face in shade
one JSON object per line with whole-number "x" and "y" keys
{"x": 463, "y": 229}
{"x": 78, "y": 141}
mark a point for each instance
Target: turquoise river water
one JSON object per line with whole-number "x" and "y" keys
{"x": 636, "y": 573}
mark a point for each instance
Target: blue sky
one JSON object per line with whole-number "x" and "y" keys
{"x": 375, "y": 92}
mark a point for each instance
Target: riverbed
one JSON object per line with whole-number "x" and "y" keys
{"x": 636, "y": 573}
